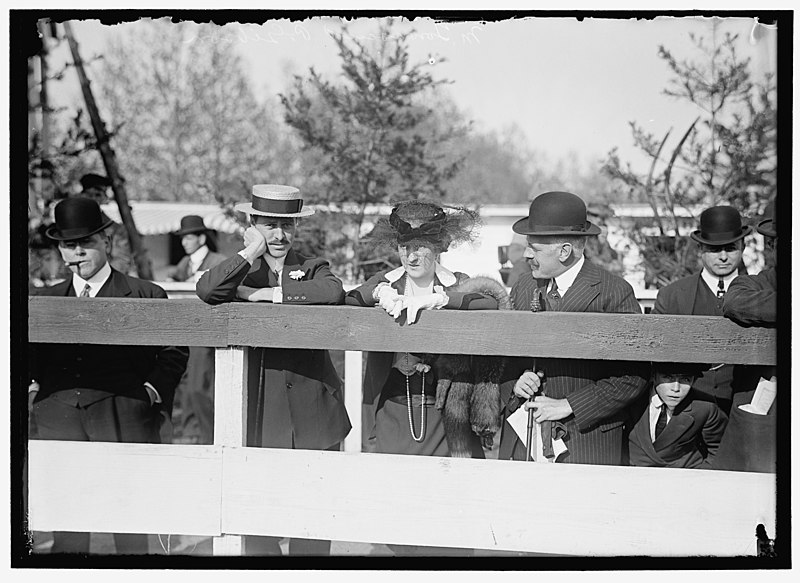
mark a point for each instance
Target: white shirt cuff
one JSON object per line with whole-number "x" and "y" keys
{"x": 277, "y": 295}
{"x": 152, "y": 388}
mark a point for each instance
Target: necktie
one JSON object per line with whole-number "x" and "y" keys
{"x": 661, "y": 422}
{"x": 553, "y": 297}
{"x": 721, "y": 288}
{"x": 86, "y": 290}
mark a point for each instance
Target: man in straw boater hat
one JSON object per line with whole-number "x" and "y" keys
{"x": 750, "y": 441}
{"x": 720, "y": 240}
{"x": 94, "y": 392}
{"x": 582, "y": 402}
{"x": 295, "y": 398}
{"x": 195, "y": 394}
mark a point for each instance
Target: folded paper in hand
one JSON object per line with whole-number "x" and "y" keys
{"x": 763, "y": 397}
{"x": 519, "y": 422}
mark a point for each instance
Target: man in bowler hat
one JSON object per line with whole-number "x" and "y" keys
{"x": 296, "y": 394}
{"x": 720, "y": 239}
{"x": 93, "y": 392}
{"x": 120, "y": 256}
{"x": 583, "y": 401}
{"x": 195, "y": 393}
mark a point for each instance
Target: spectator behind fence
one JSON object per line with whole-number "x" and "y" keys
{"x": 94, "y": 392}
{"x": 195, "y": 395}
{"x": 675, "y": 427}
{"x": 295, "y": 396}
{"x": 750, "y": 441}
{"x": 419, "y": 403}
{"x": 720, "y": 239}
{"x": 120, "y": 256}
{"x": 583, "y": 402}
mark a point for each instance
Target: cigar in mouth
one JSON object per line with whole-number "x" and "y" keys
{"x": 71, "y": 263}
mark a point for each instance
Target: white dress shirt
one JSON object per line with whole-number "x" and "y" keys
{"x": 95, "y": 282}
{"x": 566, "y": 279}
{"x": 712, "y": 281}
{"x": 654, "y": 410}
{"x": 196, "y": 259}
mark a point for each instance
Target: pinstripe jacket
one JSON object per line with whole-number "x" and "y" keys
{"x": 599, "y": 392}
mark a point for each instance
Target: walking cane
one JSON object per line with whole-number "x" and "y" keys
{"x": 529, "y": 437}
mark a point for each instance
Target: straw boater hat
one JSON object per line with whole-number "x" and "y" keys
{"x": 77, "y": 218}
{"x": 425, "y": 221}
{"x": 274, "y": 200}
{"x": 556, "y": 213}
{"x": 720, "y": 225}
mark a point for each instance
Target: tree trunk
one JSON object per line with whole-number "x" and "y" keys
{"x": 143, "y": 265}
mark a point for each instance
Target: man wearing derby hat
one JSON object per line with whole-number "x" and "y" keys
{"x": 720, "y": 239}
{"x": 296, "y": 401}
{"x": 195, "y": 394}
{"x": 585, "y": 401}
{"x": 93, "y": 392}
{"x": 95, "y": 187}
{"x": 199, "y": 257}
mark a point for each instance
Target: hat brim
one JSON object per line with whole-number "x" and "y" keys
{"x": 246, "y": 207}
{"x": 521, "y": 227}
{"x": 55, "y": 233}
{"x": 194, "y": 231}
{"x": 767, "y": 228}
{"x": 746, "y": 230}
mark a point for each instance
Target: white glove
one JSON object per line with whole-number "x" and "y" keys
{"x": 389, "y": 299}
{"x": 427, "y": 302}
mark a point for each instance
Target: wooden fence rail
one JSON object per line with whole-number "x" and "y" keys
{"x": 227, "y": 490}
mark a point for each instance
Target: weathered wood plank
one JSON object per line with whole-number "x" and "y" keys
{"x": 570, "y": 335}
{"x": 124, "y": 487}
{"x": 127, "y": 321}
{"x": 353, "y": 365}
{"x": 230, "y": 396}
{"x": 561, "y": 509}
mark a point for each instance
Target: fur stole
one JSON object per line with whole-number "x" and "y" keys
{"x": 468, "y": 389}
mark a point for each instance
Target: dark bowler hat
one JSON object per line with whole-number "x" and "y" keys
{"x": 767, "y": 226}
{"x": 77, "y": 218}
{"x": 191, "y": 224}
{"x": 556, "y": 213}
{"x": 94, "y": 180}
{"x": 274, "y": 200}
{"x": 720, "y": 225}
{"x": 689, "y": 368}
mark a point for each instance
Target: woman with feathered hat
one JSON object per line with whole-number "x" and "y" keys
{"x": 424, "y": 404}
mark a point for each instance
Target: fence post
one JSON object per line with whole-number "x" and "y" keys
{"x": 352, "y": 398}
{"x": 230, "y": 418}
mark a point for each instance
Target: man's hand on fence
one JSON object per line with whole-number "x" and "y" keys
{"x": 254, "y": 294}
{"x": 549, "y": 409}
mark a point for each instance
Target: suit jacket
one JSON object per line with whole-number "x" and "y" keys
{"x": 181, "y": 271}
{"x": 752, "y": 300}
{"x": 112, "y": 369}
{"x": 690, "y": 440}
{"x": 598, "y": 391}
{"x": 297, "y": 401}
{"x": 678, "y": 298}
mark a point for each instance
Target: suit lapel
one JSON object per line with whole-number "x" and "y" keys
{"x": 692, "y": 295}
{"x": 584, "y": 289}
{"x": 680, "y": 423}
{"x": 642, "y": 433}
{"x": 115, "y": 286}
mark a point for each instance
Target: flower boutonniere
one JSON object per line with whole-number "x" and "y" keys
{"x": 297, "y": 274}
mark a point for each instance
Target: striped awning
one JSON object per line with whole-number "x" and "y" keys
{"x": 159, "y": 218}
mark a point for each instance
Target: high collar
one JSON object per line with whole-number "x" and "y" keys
{"x": 566, "y": 279}
{"x": 712, "y": 281}
{"x": 444, "y": 275}
{"x": 275, "y": 263}
{"x": 96, "y": 282}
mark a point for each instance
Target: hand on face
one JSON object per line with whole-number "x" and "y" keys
{"x": 254, "y": 241}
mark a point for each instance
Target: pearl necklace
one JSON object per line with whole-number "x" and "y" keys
{"x": 410, "y": 291}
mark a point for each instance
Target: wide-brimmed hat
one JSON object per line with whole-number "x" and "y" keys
{"x": 556, "y": 213}
{"x": 274, "y": 200}
{"x": 77, "y": 218}
{"x": 424, "y": 220}
{"x": 767, "y": 226}
{"x": 720, "y": 225}
{"x": 94, "y": 180}
{"x": 191, "y": 224}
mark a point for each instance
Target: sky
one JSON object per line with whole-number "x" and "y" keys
{"x": 571, "y": 86}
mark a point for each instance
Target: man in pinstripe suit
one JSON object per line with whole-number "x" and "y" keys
{"x": 585, "y": 398}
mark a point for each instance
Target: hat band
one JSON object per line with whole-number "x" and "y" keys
{"x": 283, "y": 207}
{"x": 77, "y": 232}
{"x": 723, "y": 236}
{"x": 576, "y": 228}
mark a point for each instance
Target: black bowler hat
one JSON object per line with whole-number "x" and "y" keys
{"x": 720, "y": 225}
{"x": 191, "y": 224}
{"x": 767, "y": 226}
{"x": 556, "y": 213}
{"x": 77, "y": 218}
{"x": 94, "y": 180}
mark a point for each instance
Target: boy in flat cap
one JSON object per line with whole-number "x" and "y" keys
{"x": 720, "y": 239}
{"x": 675, "y": 427}
{"x": 93, "y": 392}
{"x": 296, "y": 394}
{"x": 583, "y": 401}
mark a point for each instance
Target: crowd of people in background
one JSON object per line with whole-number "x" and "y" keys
{"x": 662, "y": 414}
